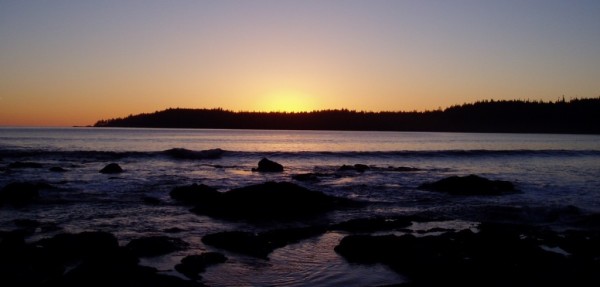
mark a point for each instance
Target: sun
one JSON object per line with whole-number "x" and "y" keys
{"x": 288, "y": 101}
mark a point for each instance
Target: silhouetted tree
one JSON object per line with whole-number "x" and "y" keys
{"x": 574, "y": 116}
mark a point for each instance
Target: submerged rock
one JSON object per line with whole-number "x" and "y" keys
{"x": 497, "y": 255}
{"x": 403, "y": 168}
{"x": 22, "y": 264}
{"x": 194, "y": 194}
{"x": 247, "y": 243}
{"x": 114, "y": 271}
{"x": 69, "y": 246}
{"x": 373, "y": 224}
{"x": 21, "y": 193}
{"x": 182, "y": 153}
{"x": 27, "y": 226}
{"x": 111, "y": 168}
{"x": 173, "y": 230}
{"x": 155, "y": 245}
{"x": 316, "y": 176}
{"x": 27, "y": 223}
{"x": 267, "y": 165}
{"x": 270, "y": 200}
{"x": 262, "y": 244}
{"x": 469, "y": 185}
{"x": 11, "y": 241}
{"x": 192, "y": 265}
{"x": 82, "y": 259}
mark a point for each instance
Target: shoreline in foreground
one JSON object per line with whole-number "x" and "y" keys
{"x": 501, "y": 252}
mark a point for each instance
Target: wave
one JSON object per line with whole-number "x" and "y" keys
{"x": 425, "y": 153}
{"x": 175, "y": 153}
{"x": 186, "y": 154}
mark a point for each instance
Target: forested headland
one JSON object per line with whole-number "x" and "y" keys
{"x": 516, "y": 116}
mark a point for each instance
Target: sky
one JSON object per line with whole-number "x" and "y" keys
{"x": 65, "y": 63}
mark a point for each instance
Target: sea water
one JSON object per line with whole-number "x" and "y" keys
{"x": 558, "y": 178}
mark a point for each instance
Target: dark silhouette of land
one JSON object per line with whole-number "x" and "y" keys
{"x": 575, "y": 116}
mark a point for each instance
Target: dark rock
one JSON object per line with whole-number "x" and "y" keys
{"x": 247, "y": 243}
{"x": 49, "y": 227}
{"x": 373, "y": 224}
{"x": 173, "y": 230}
{"x": 25, "y": 164}
{"x": 195, "y": 194}
{"x": 192, "y": 265}
{"x": 68, "y": 246}
{"x": 403, "y": 169}
{"x": 345, "y": 168}
{"x": 266, "y": 165}
{"x": 27, "y": 223}
{"x": 11, "y": 241}
{"x": 118, "y": 269}
{"x": 281, "y": 237}
{"x": 582, "y": 244}
{"x": 108, "y": 269}
{"x": 554, "y": 214}
{"x": 57, "y": 169}
{"x": 182, "y": 153}
{"x": 24, "y": 265}
{"x": 111, "y": 168}
{"x": 470, "y": 185}
{"x": 28, "y": 226}
{"x": 20, "y": 193}
{"x": 357, "y": 167}
{"x": 591, "y": 221}
{"x": 270, "y": 200}
{"x": 498, "y": 255}
{"x": 262, "y": 244}
{"x": 94, "y": 259}
{"x": 306, "y": 177}
{"x": 155, "y": 245}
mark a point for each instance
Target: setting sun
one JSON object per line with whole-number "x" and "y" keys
{"x": 299, "y": 143}
{"x": 288, "y": 101}
{"x": 73, "y": 64}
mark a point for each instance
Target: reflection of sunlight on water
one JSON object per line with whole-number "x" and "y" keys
{"x": 312, "y": 262}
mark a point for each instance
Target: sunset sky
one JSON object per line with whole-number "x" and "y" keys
{"x": 66, "y": 63}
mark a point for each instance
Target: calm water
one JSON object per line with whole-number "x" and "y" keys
{"x": 553, "y": 172}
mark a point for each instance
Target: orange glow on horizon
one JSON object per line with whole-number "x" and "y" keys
{"x": 65, "y": 65}
{"x": 287, "y": 101}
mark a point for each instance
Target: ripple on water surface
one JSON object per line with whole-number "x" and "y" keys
{"x": 312, "y": 262}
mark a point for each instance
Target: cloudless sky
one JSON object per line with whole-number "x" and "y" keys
{"x": 75, "y": 62}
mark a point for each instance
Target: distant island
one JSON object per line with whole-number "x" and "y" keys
{"x": 580, "y": 116}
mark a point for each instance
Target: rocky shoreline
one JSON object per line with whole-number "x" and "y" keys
{"x": 493, "y": 254}
{"x": 501, "y": 252}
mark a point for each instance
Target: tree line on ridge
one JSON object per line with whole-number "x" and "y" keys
{"x": 514, "y": 116}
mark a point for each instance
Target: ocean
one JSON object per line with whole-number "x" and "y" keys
{"x": 557, "y": 178}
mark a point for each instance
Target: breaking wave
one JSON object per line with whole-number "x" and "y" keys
{"x": 216, "y": 153}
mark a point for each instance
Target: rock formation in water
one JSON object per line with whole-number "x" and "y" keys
{"x": 470, "y": 185}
